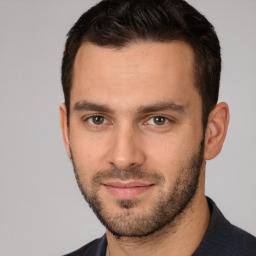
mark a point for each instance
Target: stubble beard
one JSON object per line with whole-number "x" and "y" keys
{"x": 129, "y": 222}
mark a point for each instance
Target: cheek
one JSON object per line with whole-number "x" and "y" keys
{"x": 171, "y": 155}
{"x": 169, "y": 152}
{"x": 88, "y": 153}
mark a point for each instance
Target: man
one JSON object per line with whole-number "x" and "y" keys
{"x": 140, "y": 119}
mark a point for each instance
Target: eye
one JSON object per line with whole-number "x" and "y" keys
{"x": 158, "y": 120}
{"x": 96, "y": 120}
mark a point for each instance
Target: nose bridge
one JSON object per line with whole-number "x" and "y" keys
{"x": 125, "y": 150}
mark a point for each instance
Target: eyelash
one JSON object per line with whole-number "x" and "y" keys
{"x": 95, "y": 116}
{"x": 166, "y": 120}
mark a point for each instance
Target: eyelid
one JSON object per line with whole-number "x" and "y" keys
{"x": 86, "y": 118}
{"x": 107, "y": 119}
{"x": 168, "y": 119}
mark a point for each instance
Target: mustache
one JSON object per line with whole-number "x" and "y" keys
{"x": 131, "y": 173}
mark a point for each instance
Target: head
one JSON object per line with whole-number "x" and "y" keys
{"x": 141, "y": 81}
{"x": 119, "y": 23}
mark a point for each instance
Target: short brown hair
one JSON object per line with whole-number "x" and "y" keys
{"x": 117, "y": 23}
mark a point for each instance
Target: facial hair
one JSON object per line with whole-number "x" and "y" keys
{"x": 168, "y": 207}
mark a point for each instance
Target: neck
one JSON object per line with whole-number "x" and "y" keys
{"x": 181, "y": 237}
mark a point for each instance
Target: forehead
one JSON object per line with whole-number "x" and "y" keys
{"x": 138, "y": 73}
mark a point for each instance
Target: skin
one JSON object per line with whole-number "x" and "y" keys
{"x": 126, "y": 81}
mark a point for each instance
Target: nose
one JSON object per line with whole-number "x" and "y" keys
{"x": 126, "y": 149}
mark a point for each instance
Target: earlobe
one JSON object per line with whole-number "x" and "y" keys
{"x": 64, "y": 127}
{"x": 216, "y": 130}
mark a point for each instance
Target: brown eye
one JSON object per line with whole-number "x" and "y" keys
{"x": 96, "y": 120}
{"x": 159, "y": 120}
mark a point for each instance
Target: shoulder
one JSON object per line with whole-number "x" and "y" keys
{"x": 96, "y": 247}
{"x": 242, "y": 242}
{"x": 223, "y": 239}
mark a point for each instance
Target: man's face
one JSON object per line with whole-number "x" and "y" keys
{"x": 135, "y": 135}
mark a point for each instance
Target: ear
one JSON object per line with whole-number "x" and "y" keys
{"x": 64, "y": 127}
{"x": 216, "y": 130}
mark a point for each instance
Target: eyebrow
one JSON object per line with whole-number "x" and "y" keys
{"x": 159, "y": 106}
{"x": 89, "y": 106}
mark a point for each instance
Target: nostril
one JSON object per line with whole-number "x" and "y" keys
{"x": 132, "y": 164}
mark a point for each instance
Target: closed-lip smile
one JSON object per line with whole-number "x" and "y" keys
{"x": 127, "y": 189}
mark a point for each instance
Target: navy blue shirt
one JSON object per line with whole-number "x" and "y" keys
{"x": 221, "y": 239}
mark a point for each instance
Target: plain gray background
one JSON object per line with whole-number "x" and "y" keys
{"x": 41, "y": 209}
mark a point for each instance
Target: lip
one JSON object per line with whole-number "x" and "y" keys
{"x": 127, "y": 190}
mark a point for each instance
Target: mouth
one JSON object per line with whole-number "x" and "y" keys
{"x": 127, "y": 190}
